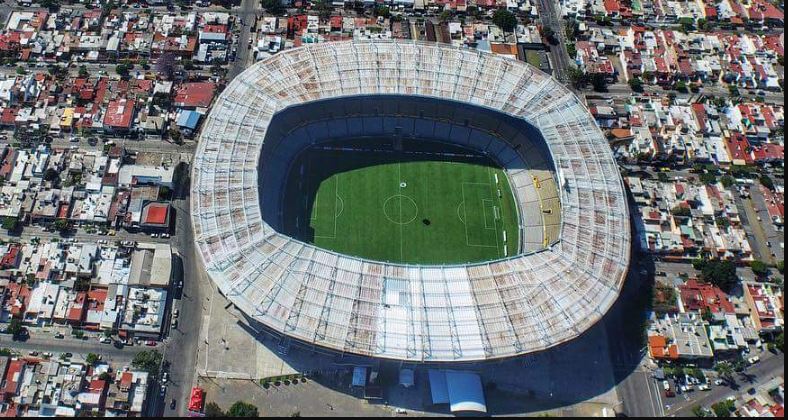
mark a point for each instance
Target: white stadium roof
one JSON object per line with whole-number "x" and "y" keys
{"x": 521, "y": 304}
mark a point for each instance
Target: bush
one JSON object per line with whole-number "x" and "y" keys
{"x": 213, "y": 410}
{"x": 759, "y": 268}
{"x": 242, "y": 409}
{"x": 680, "y": 211}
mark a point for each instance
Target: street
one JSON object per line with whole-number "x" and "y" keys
{"x": 549, "y": 13}
{"x": 762, "y": 372}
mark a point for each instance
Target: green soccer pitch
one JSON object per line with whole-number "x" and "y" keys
{"x": 422, "y": 204}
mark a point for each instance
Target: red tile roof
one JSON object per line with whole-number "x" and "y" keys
{"x": 120, "y": 113}
{"x": 156, "y": 214}
{"x": 198, "y": 94}
{"x": 698, "y": 296}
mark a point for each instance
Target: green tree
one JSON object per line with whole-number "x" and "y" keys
{"x": 636, "y": 84}
{"x": 724, "y": 370}
{"x": 759, "y": 268}
{"x": 599, "y": 82}
{"x": 578, "y": 78}
{"x": 14, "y": 327}
{"x": 708, "y": 178}
{"x": 723, "y": 408}
{"x": 719, "y": 273}
{"x": 767, "y": 182}
{"x": 727, "y": 181}
{"x": 323, "y": 8}
{"x": 781, "y": 266}
{"x": 722, "y": 222}
{"x": 21, "y": 70}
{"x": 92, "y": 359}
{"x": 505, "y": 20}
{"x": 242, "y": 409}
{"x": 148, "y": 360}
{"x": 699, "y": 411}
{"x": 381, "y": 10}
{"x": 213, "y": 410}
{"x": 274, "y": 7}
{"x": 10, "y": 223}
{"x": 680, "y": 211}
{"x": 83, "y": 71}
{"x": 61, "y": 225}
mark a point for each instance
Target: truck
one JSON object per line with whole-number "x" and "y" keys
{"x": 196, "y": 400}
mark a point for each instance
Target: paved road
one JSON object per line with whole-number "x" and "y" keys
{"x": 70, "y": 346}
{"x": 30, "y": 232}
{"x": 548, "y": 12}
{"x": 622, "y": 90}
{"x": 762, "y": 372}
{"x": 182, "y": 343}
{"x": 248, "y": 12}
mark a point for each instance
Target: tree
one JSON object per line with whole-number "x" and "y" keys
{"x": 708, "y": 178}
{"x": 724, "y": 370}
{"x": 148, "y": 360}
{"x": 698, "y": 411}
{"x": 636, "y": 84}
{"x": 727, "y": 181}
{"x": 61, "y": 225}
{"x": 381, "y": 10}
{"x": 781, "y": 266}
{"x": 122, "y": 70}
{"x": 505, "y": 20}
{"x": 83, "y": 71}
{"x": 10, "y": 223}
{"x": 722, "y": 222}
{"x": 578, "y": 78}
{"x": 14, "y": 327}
{"x": 165, "y": 65}
{"x": 213, "y": 410}
{"x": 599, "y": 82}
{"x": 51, "y": 175}
{"x": 549, "y": 35}
{"x": 767, "y": 182}
{"x": 21, "y": 70}
{"x": 273, "y": 6}
{"x": 759, "y": 268}
{"x": 719, "y": 273}
{"x": 323, "y": 8}
{"x": 723, "y": 408}
{"x": 680, "y": 211}
{"x": 92, "y": 359}
{"x": 242, "y": 409}
{"x": 105, "y": 376}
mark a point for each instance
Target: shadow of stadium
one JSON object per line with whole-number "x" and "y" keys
{"x": 555, "y": 378}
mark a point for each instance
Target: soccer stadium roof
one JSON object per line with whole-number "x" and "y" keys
{"x": 521, "y": 304}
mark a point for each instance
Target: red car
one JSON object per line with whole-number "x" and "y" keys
{"x": 151, "y": 343}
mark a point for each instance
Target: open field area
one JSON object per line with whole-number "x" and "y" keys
{"x": 421, "y": 204}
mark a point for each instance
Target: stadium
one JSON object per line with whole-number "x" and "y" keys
{"x": 409, "y": 201}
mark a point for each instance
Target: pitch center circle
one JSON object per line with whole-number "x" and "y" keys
{"x": 400, "y": 209}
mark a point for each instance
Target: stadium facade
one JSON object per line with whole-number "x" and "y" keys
{"x": 575, "y": 244}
